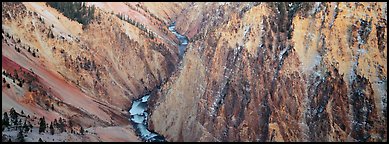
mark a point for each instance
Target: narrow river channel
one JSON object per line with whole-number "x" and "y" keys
{"x": 139, "y": 108}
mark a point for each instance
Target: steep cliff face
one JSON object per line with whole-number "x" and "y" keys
{"x": 110, "y": 59}
{"x": 278, "y": 72}
{"x": 251, "y": 71}
{"x": 89, "y": 73}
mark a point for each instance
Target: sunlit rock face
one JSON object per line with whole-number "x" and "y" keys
{"x": 55, "y": 66}
{"x": 278, "y": 72}
{"x": 187, "y": 71}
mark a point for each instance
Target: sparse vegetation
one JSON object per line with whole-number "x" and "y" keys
{"x": 14, "y": 116}
{"x": 70, "y": 123}
{"x": 42, "y": 125}
{"x": 20, "y": 136}
{"x": 82, "y": 130}
{"x": 5, "y": 120}
{"x": 18, "y": 45}
{"x": 51, "y": 128}
{"x": 16, "y": 124}
{"x": 61, "y": 125}
{"x": 25, "y": 126}
{"x": 142, "y": 27}
{"x": 50, "y": 34}
{"x": 17, "y": 49}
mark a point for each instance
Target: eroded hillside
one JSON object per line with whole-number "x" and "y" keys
{"x": 88, "y": 73}
{"x": 251, "y": 71}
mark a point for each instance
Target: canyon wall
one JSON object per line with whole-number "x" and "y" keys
{"x": 88, "y": 74}
{"x": 278, "y": 72}
{"x": 251, "y": 71}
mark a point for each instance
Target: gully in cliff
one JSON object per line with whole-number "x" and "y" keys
{"x": 139, "y": 107}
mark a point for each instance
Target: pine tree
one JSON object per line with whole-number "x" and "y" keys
{"x": 82, "y": 130}
{"x": 5, "y": 119}
{"x": 16, "y": 74}
{"x": 51, "y": 128}
{"x": 61, "y": 125}
{"x": 42, "y": 125}
{"x": 30, "y": 125}
{"x": 59, "y": 122}
{"x": 26, "y": 127}
{"x": 56, "y": 123}
{"x": 83, "y": 5}
{"x": 20, "y": 136}
{"x": 92, "y": 11}
{"x": 40, "y": 140}
{"x": 19, "y": 123}
{"x": 70, "y": 123}
{"x": 77, "y": 11}
{"x": 14, "y": 115}
{"x": 83, "y": 13}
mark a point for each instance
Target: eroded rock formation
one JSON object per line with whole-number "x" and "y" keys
{"x": 278, "y": 72}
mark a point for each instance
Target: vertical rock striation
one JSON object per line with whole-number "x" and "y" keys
{"x": 278, "y": 72}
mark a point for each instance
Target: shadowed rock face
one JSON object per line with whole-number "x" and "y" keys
{"x": 278, "y": 72}
{"x": 139, "y": 107}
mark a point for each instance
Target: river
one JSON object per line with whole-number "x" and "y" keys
{"x": 138, "y": 111}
